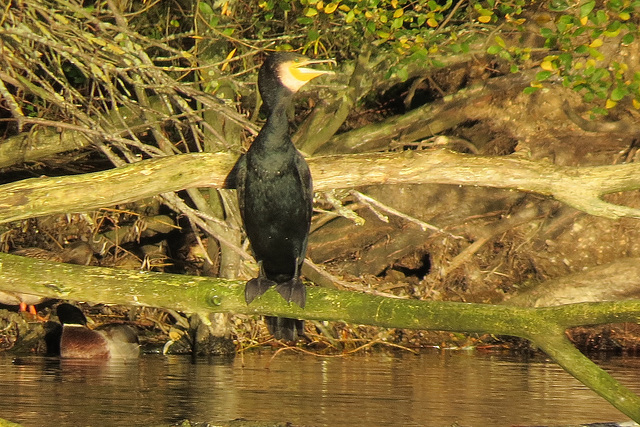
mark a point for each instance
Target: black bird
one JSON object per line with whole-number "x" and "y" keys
{"x": 275, "y": 191}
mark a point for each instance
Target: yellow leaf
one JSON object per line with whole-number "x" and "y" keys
{"x": 546, "y": 65}
{"x": 97, "y": 40}
{"x": 61, "y": 18}
{"x": 344, "y": 8}
{"x": 320, "y": 5}
{"x": 596, "y": 43}
{"x": 229, "y": 56}
{"x": 398, "y": 13}
{"x": 330, "y": 8}
{"x": 610, "y": 104}
{"x": 432, "y": 22}
{"x": 484, "y": 18}
{"x": 114, "y": 49}
{"x": 625, "y": 16}
{"x": 584, "y": 20}
{"x": 311, "y": 12}
{"x": 636, "y": 104}
{"x": 394, "y": 4}
{"x": 350, "y": 17}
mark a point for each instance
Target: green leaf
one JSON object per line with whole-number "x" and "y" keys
{"x": 397, "y": 23}
{"x": 403, "y": 74}
{"x": 303, "y": 20}
{"x": 543, "y": 75}
{"x": 586, "y": 8}
{"x": 618, "y": 93}
{"x": 546, "y": 32}
{"x": 601, "y": 17}
{"x": 350, "y": 17}
{"x": 313, "y": 35}
{"x": 565, "y": 59}
{"x": 493, "y": 49}
{"x": 205, "y": 9}
{"x": 582, "y": 49}
{"x": 371, "y": 27}
{"x": 558, "y": 5}
{"x": 628, "y": 38}
{"x": 529, "y": 90}
{"x": 578, "y": 31}
{"x": 596, "y": 54}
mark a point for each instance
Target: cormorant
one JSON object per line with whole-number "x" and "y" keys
{"x": 275, "y": 191}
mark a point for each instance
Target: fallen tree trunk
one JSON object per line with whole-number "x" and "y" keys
{"x": 579, "y": 187}
{"x": 544, "y": 327}
{"x": 615, "y": 281}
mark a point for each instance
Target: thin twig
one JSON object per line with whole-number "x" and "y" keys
{"x": 423, "y": 225}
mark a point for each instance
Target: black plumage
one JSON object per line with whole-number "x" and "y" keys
{"x": 275, "y": 191}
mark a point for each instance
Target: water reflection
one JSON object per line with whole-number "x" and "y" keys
{"x": 432, "y": 389}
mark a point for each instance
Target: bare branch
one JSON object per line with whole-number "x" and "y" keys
{"x": 578, "y": 187}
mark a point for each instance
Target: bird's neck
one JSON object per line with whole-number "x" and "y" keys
{"x": 275, "y": 133}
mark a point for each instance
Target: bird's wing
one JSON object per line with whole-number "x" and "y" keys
{"x": 305, "y": 178}
{"x": 240, "y": 175}
{"x": 304, "y": 175}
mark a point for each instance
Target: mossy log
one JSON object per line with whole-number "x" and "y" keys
{"x": 544, "y": 327}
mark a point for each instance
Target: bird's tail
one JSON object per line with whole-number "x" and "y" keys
{"x": 283, "y": 328}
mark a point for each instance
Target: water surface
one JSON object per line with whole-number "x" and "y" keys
{"x": 469, "y": 388}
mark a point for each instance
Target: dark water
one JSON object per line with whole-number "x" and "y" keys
{"x": 432, "y": 389}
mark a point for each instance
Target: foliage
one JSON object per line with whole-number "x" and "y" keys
{"x": 582, "y": 40}
{"x": 589, "y": 41}
{"x": 422, "y": 31}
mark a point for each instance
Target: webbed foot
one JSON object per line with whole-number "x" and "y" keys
{"x": 293, "y": 290}
{"x": 256, "y": 287}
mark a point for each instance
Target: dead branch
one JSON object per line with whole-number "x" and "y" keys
{"x": 579, "y": 187}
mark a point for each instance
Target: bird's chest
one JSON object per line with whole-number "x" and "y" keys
{"x": 274, "y": 186}
{"x": 273, "y": 174}
{"x": 271, "y": 166}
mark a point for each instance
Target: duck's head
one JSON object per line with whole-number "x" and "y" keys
{"x": 71, "y": 315}
{"x": 288, "y": 72}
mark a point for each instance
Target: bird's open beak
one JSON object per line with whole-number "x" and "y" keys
{"x": 300, "y": 71}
